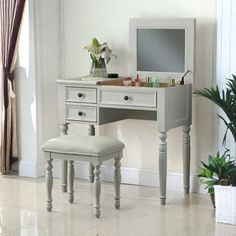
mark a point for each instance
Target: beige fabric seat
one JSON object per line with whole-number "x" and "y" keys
{"x": 94, "y": 149}
{"x": 83, "y": 145}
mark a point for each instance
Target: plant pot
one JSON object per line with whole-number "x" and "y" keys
{"x": 225, "y": 198}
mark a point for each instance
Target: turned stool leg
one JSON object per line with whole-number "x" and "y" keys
{"x": 71, "y": 176}
{"x": 91, "y": 132}
{"x": 64, "y": 176}
{"x": 117, "y": 181}
{"x": 63, "y": 131}
{"x": 91, "y": 171}
{"x": 49, "y": 183}
{"x": 97, "y": 181}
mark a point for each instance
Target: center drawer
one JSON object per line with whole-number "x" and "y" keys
{"x": 127, "y": 97}
{"x": 81, "y": 95}
{"x": 81, "y": 113}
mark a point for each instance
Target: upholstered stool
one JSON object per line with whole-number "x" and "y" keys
{"x": 94, "y": 149}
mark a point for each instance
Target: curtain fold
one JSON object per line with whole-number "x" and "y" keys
{"x": 11, "y": 12}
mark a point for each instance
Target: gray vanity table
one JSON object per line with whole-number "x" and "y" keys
{"x": 163, "y": 48}
{"x": 101, "y": 102}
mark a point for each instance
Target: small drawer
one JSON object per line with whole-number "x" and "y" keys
{"x": 81, "y": 113}
{"x": 142, "y": 98}
{"x": 81, "y": 95}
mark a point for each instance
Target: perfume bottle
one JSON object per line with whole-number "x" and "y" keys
{"x": 137, "y": 81}
{"x": 155, "y": 81}
{"x": 128, "y": 82}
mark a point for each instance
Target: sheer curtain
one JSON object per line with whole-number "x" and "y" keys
{"x": 226, "y": 62}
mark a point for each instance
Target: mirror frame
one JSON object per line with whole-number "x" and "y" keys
{"x": 189, "y": 25}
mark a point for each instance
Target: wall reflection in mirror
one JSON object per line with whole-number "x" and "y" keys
{"x": 161, "y": 50}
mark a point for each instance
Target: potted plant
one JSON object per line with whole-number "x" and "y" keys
{"x": 101, "y": 55}
{"x": 225, "y": 196}
{"x": 217, "y": 171}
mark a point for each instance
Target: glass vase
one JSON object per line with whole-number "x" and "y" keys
{"x": 98, "y": 69}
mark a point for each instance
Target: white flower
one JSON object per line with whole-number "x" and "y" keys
{"x": 99, "y": 51}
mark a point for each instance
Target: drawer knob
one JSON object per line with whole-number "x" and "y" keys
{"x": 80, "y": 113}
{"x": 126, "y": 98}
{"x": 80, "y": 95}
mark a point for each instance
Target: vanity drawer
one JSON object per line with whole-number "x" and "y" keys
{"x": 81, "y": 95}
{"x": 128, "y": 98}
{"x": 81, "y": 113}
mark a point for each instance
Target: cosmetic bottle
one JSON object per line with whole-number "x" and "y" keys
{"x": 156, "y": 81}
{"x": 137, "y": 82}
{"x": 128, "y": 82}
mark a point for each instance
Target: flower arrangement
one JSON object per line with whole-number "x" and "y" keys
{"x": 101, "y": 55}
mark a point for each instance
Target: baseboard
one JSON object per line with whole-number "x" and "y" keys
{"x": 15, "y": 166}
{"x": 31, "y": 169}
{"x": 132, "y": 176}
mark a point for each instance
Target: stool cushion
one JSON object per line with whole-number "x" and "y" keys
{"x": 83, "y": 145}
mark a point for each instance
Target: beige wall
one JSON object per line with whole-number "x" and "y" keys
{"x": 108, "y": 21}
{"x": 38, "y": 68}
{"x": 26, "y": 91}
{"x": 40, "y": 65}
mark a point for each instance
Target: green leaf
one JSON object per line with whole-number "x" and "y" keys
{"x": 218, "y": 167}
{"x": 95, "y": 43}
{"x": 99, "y": 51}
{"x": 226, "y": 100}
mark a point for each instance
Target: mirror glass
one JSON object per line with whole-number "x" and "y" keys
{"x": 161, "y": 50}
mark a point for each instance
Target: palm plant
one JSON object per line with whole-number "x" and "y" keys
{"x": 221, "y": 169}
{"x": 226, "y": 100}
{"x": 232, "y": 174}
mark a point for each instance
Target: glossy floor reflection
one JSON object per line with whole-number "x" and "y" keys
{"x": 23, "y": 212}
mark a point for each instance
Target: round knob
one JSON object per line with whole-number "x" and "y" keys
{"x": 80, "y": 95}
{"x": 80, "y": 113}
{"x": 126, "y": 98}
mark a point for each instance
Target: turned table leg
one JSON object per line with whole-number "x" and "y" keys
{"x": 97, "y": 174}
{"x": 163, "y": 166}
{"x": 91, "y": 132}
{"x": 117, "y": 181}
{"x": 49, "y": 183}
{"x": 71, "y": 175}
{"x": 186, "y": 157}
{"x": 63, "y": 131}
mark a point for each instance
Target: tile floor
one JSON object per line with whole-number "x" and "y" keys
{"x": 23, "y": 212}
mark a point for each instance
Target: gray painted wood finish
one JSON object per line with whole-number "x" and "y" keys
{"x": 49, "y": 182}
{"x": 71, "y": 175}
{"x": 63, "y": 131}
{"x": 96, "y": 162}
{"x": 171, "y": 107}
{"x": 186, "y": 157}
{"x": 117, "y": 181}
{"x": 163, "y": 166}
{"x": 91, "y": 132}
{"x": 97, "y": 182}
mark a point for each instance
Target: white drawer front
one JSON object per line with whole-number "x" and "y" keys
{"x": 81, "y": 113}
{"x": 82, "y": 95}
{"x": 128, "y": 98}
